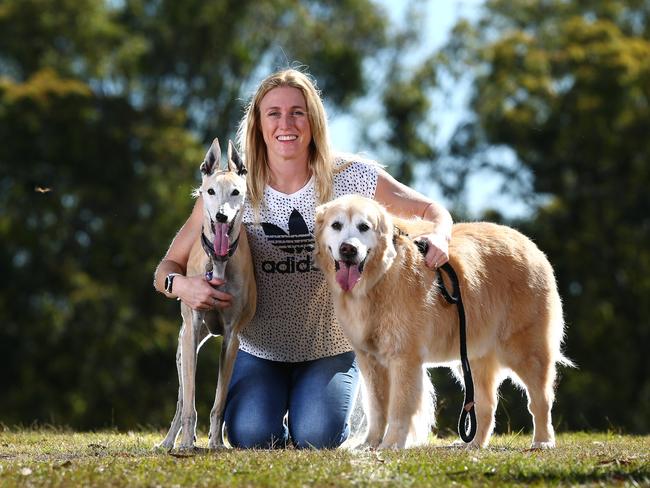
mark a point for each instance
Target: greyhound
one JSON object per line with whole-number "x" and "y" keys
{"x": 221, "y": 251}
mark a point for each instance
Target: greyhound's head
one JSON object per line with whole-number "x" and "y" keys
{"x": 223, "y": 193}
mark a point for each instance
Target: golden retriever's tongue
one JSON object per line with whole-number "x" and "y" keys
{"x": 221, "y": 239}
{"x": 347, "y": 275}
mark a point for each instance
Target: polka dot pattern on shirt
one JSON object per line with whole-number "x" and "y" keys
{"x": 294, "y": 320}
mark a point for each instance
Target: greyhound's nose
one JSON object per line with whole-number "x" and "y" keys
{"x": 221, "y": 218}
{"x": 347, "y": 251}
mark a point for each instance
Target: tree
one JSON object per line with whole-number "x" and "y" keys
{"x": 566, "y": 86}
{"x": 105, "y": 110}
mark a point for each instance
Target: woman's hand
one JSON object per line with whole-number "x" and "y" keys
{"x": 438, "y": 249}
{"x": 200, "y": 294}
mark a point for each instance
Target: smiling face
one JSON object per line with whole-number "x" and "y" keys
{"x": 285, "y": 124}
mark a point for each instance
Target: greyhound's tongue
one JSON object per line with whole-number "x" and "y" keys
{"x": 221, "y": 239}
{"x": 347, "y": 275}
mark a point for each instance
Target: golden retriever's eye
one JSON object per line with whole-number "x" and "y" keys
{"x": 235, "y": 192}
{"x": 363, "y": 227}
{"x": 337, "y": 225}
{"x": 210, "y": 191}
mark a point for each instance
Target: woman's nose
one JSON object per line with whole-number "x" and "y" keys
{"x": 287, "y": 120}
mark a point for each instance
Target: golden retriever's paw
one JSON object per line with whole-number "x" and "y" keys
{"x": 460, "y": 444}
{"x": 542, "y": 445}
{"x": 394, "y": 445}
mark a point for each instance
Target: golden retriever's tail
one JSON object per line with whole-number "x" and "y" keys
{"x": 424, "y": 419}
{"x": 562, "y": 360}
{"x": 557, "y": 330}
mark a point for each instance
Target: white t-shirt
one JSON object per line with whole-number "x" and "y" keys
{"x": 294, "y": 320}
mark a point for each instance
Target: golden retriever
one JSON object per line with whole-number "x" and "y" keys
{"x": 392, "y": 312}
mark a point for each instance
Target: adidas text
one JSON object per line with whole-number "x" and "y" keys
{"x": 289, "y": 265}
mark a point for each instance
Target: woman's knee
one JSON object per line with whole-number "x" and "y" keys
{"x": 248, "y": 432}
{"x": 323, "y": 434}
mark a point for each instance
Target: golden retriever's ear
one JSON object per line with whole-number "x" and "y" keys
{"x": 320, "y": 214}
{"x": 384, "y": 221}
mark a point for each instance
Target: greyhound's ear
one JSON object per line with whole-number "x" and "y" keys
{"x": 212, "y": 158}
{"x": 235, "y": 162}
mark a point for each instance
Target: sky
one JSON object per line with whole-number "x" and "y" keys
{"x": 483, "y": 189}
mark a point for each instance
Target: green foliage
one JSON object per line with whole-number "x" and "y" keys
{"x": 105, "y": 109}
{"x": 45, "y": 458}
{"x": 566, "y": 86}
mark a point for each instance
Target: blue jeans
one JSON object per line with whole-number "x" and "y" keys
{"x": 317, "y": 395}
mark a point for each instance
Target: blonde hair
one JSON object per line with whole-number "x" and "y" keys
{"x": 253, "y": 147}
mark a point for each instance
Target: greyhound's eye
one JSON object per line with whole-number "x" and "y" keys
{"x": 337, "y": 225}
{"x": 235, "y": 192}
{"x": 363, "y": 227}
{"x": 210, "y": 191}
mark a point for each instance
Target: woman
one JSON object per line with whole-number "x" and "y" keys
{"x": 293, "y": 357}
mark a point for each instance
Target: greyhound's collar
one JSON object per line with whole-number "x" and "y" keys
{"x": 209, "y": 248}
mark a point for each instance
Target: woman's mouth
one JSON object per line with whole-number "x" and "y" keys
{"x": 287, "y": 138}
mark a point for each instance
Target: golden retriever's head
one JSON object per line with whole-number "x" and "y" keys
{"x": 354, "y": 242}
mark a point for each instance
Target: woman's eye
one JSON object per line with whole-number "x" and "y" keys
{"x": 297, "y": 113}
{"x": 210, "y": 191}
{"x": 235, "y": 192}
{"x": 337, "y": 226}
{"x": 363, "y": 227}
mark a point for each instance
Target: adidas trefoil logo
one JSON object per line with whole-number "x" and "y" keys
{"x": 298, "y": 240}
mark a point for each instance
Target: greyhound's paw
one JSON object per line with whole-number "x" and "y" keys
{"x": 216, "y": 445}
{"x": 163, "y": 446}
{"x": 187, "y": 449}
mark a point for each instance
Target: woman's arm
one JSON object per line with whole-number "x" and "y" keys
{"x": 195, "y": 291}
{"x": 404, "y": 201}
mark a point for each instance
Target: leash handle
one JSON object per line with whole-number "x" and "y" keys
{"x": 467, "y": 420}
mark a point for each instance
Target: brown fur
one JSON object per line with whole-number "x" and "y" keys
{"x": 397, "y": 321}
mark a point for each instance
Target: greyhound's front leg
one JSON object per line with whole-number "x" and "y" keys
{"x": 170, "y": 438}
{"x": 189, "y": 349}
{"x": 229, "y": 347}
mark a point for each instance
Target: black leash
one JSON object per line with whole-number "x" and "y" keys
{"x": 467, "y": 420}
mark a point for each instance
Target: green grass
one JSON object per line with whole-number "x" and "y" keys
{"x": 50, "y": 457}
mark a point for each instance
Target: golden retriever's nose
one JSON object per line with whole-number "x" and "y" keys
{"x": 347, "y": 251}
